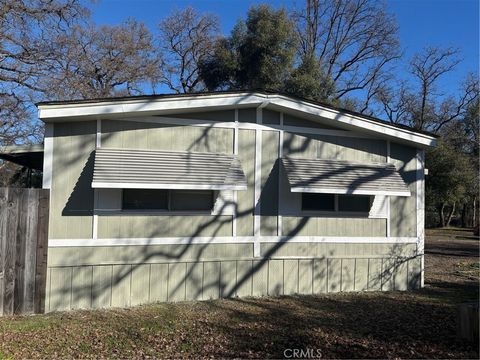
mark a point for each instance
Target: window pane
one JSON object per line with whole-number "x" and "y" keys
{"x": 319, "y": 202}
{"x": 145, "y": 199}
{"x": 357, "y": 203}
{"x": 191, "y": 200}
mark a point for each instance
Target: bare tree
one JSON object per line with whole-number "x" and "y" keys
{"x": 418, "y": 102}
{"x": 396, "y": 101}
{"x": 186, "y": 39}
{"x": 354, "y": 41}
{"x": 427, "y": 67}
{"x": 26, "y": 28}
{"x": 103, "y": 61}
{"x": 453, "y": 109}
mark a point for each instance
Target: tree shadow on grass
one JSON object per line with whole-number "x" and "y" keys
{"x": 367, "y": 325}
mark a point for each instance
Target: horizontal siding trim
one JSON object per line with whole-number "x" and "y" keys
{"x": 248, "y": 126}
{"x": 246, "y": 258}
{"x": 228, "y": 240}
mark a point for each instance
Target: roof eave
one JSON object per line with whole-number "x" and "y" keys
{"x": 163, "y": 105}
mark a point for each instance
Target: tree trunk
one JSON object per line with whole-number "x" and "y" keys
{"x": 474, "y": 222}
{"x": 450, "y": 215}
{"x": 465, "y": 221}
{"x": 441, "y": 215}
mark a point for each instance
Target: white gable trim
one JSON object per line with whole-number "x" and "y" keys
{"x": 221, "y": 101}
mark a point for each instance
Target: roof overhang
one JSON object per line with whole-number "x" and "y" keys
{"x": 30, "y": 156}
{"x": 163, "y": 105}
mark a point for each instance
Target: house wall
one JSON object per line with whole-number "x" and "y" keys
{"x": 71, "y": 199}
{"x": 210, "y": 256}
{"x": 84, "y": 277}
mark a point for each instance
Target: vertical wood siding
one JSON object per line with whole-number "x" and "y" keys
{"x": 96, "y": 286}
{"x": 129, "y": 275}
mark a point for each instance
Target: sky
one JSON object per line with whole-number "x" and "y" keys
{"x": 421, "y": 23}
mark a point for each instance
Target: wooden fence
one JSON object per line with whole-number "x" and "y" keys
{"x": 23, "y": 250}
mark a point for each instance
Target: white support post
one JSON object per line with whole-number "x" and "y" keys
{"x": 98, "y": 144}
{"x": 235, "y": 152}
{"x": 421, "y": 212}
{"x": 388, "y": 197}
{"x": 258, "y": 181}
{"x": 280, "y": 180}
{"x": 47, "y": 156}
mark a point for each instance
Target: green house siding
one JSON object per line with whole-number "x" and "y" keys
{"x": 107, "y": 255}
{"x": 329, "y": 147}
{"x": 219, "y": 116}
{"x": 130, "y": 275}
{"x": 151, "y": 226}
{"x": 403, "y": 210}
{"x": 245, "y": 199}
{"x": 102, "y": 276}
{"x": 313, "y": 146}
{"x": 333, "y": 226}
{"x": 153, "y": 136}
{"x": 71, "y": 199}
{"x": 269, "y": 183}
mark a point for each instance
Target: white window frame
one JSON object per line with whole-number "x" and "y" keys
{"x": 336, "y": 212}
{"x": 168, "y": 211}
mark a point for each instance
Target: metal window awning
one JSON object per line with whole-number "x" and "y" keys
{"x": 342, "y": 177}
{"x": 150, "y": 169}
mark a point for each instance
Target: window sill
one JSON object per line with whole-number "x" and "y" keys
{"x": 120, "y": 212}
{"x": 337, "y": 214}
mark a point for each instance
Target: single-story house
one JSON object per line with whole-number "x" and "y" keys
{"x": 201, "y": 196}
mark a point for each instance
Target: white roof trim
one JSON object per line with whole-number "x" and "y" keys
{"x": 226, "y": 100}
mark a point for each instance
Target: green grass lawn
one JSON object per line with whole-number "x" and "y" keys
{"x": 419, "y": 324}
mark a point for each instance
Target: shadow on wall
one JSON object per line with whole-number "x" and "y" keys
{"x": 78, "y": 202}
{"x": 188, "y": 271}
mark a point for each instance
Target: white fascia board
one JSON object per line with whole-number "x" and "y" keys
{"x": 349, "y": 191}
{"x": 50, "y": 112}
{"x": 349, "y": 119}
{"x": 192, "y": 103}
{"x": 115, "y": 185}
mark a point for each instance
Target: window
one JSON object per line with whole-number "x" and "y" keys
{"x": 354, "y": 203}
{"x": 191, "y": 200}
{"x": 145, "y": 199}
{"x": 167, "y": 200}
{"x": 336, "y": 203}
{"x": 318, "y": 202}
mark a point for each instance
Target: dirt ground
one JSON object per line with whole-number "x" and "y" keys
{"x": 414, "y": 324}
